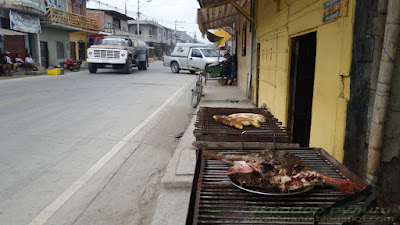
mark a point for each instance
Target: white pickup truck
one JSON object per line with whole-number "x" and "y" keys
{"x": 188, "y": 56}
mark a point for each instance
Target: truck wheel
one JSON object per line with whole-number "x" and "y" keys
{"x": 175, "y": 67}
{"x": 128, "y": 65}
{"x": 144, "y": 65}
{"x": 92, "y": 68}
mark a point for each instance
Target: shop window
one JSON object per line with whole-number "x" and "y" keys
{"x": 60, "y": 50}
{"x": 244, "y": 38}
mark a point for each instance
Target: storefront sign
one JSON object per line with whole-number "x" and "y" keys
{"x": 37, "y": 4}
{"x": 332, "y": 10}
{"x": 23, "y": 22}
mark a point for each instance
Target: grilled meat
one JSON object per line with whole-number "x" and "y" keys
{"x": 251, "y": 116}
{"x": 238, "y": 120}
{"x": 225, "y": 120}
{"x": 277, "y": 158}
{"x": 286, "y": 180}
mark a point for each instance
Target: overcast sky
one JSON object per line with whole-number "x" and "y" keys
{"x": 165, "y": 12}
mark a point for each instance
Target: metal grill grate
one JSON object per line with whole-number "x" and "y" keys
{"x": 207, "y": 129}
{"x": 216, "y": 201}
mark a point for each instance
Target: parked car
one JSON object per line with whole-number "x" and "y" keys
{"x": 189, "y": 56}
{"x": 121, "y": 52}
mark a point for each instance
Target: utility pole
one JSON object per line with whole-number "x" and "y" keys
{"x": 176, "y": 22}
{"x": 138, "y": 13}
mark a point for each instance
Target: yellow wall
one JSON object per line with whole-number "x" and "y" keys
{"x": 278, "y": 21}
{"x": 79, "y": 36}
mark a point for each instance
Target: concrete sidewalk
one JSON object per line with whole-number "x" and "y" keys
{"x": 177, "y": 182}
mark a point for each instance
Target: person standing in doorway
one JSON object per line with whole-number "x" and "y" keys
{"x": 234, "y": 69}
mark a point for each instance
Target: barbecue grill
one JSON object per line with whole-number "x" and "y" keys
{"x": 208, "y": 130}
{"x": 214, "y": 200}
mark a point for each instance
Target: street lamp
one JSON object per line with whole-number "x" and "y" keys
{"x": 138, "y": 14}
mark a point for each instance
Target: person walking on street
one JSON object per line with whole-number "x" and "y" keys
{"x": 29, "y": 63}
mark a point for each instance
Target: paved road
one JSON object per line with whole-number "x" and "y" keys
{"x": 88, "y": 149}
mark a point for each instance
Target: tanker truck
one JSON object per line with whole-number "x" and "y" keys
{"x": 121, "y": 52}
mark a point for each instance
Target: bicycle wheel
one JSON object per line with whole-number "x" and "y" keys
{"x": 196, "y": 94}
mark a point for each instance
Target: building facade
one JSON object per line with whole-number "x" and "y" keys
{"x": 110, "y": 22}
{"x": 65, "y": 28}
{"x": 20, "y": 27}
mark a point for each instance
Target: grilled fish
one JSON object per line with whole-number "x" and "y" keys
{"x": 277, "y": 158}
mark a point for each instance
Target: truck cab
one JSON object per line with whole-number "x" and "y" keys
{"x": 191, "y": 57}
{"x": 120, "y": 52}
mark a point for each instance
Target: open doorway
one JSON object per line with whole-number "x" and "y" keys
{"x": 44, "y": 52}
{"x": 302, "y": 87}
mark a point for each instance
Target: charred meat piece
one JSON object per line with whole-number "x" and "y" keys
{"x": 277, "y": 158}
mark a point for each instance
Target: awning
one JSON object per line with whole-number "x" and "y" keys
{"x": 216, "y": 14}
{"x": 10, "y": 32}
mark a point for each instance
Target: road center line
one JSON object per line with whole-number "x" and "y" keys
{"x": 49, "y": 211}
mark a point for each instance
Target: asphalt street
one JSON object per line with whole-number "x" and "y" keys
{"x": 85, "y": 148}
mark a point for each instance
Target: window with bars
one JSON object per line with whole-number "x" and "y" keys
{"x": 60, "y": 50}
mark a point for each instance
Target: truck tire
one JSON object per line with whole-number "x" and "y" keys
{"x": 92, "y": 68}
{"x": 128, "y": 66}
{"x": 175, "y": 67}
{"x": 145, "y": 64}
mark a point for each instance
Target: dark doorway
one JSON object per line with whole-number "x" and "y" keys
{"x": 44, "y": 54}
{"x": 82, "y": 50}
{"x": 301, "y": 87}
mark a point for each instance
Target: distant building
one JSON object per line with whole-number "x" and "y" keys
{"x": 183, "y": 37}
{"x": 154, "y": 34}
{"x": 110, "y": 22}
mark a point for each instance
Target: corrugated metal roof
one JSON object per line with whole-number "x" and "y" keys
{"x": 215, "y": 14}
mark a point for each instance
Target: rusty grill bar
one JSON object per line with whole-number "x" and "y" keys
{"x": 207, "y": 129}
{"x": 215, "y": 200}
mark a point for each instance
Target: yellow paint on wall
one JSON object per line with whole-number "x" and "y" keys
{"x": 78, "y": 36}
{"x": 332, "y": 70}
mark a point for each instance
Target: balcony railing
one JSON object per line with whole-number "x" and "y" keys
{"x": 59, "y": 16}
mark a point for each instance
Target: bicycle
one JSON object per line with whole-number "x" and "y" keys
{"x": 197, "y": 91}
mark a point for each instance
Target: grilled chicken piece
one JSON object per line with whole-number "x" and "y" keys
{"x": 277, "y": 158}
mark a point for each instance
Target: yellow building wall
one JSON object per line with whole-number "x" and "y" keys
{"x": 279, "y": 21}
{"x": 78, "y": 36}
